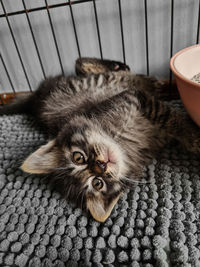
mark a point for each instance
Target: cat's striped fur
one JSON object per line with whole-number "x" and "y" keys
{"x": 113, "y": 118}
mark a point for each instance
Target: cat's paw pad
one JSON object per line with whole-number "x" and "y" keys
{"x": 118, "y": 66}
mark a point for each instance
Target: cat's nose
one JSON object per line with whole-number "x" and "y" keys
{"x": 102, "y": 165}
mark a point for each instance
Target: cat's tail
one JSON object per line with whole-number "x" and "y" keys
{"x": 21, "y": 104}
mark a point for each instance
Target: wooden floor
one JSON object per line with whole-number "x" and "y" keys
{"x": 9, "y": 97}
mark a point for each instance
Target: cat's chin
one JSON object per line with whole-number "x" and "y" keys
{"x": 113, "y": 165}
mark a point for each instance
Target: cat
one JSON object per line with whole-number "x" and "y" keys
{"x": 104, "y": 125}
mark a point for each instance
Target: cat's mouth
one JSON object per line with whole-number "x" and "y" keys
{"x": 109, "y": 157}
{"x": 106, "y": 162}
{"x": 112, "y": 163}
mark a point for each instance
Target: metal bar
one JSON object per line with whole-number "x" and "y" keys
{"x": 172, "y": 39}
{"x": 43, "y": 8}
{"x": 15, "y": 43}
{"x": 54, "y": 37}
{"x": 74, "y": 27}
{"x": 146, "y": 35}
{"x": 122, "y": 31}
{"x": 34, "y": 41}
{"x": 97, "y": 26}
{"x": 7, "y": 73}
{"x": 198, "y": 25}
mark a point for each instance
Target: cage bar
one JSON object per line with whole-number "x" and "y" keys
{"x": 54, "y": 37}
{"x": 97, "y": 26}
{"x": 42, "y": 8}
{"x": 146, "y": 36}
{"x": 171, "y": 39}
{"x": 122, "y": 31}
{"x": 198, "y": 25}
{"x": 34, "y": 41}
{"x": 7, "y": 73}
{"x": 16, "y": 46}
{"x": 70, "y": 4}
{"x": 74, "y": 27}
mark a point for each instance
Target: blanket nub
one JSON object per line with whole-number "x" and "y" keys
{"x": 153, "y": 224}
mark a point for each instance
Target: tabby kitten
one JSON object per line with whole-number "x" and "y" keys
{"x": 104, "y": 125}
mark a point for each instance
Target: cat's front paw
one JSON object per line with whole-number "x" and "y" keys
{"x": 86, "y": 66}
{"x": 117, "y": 66}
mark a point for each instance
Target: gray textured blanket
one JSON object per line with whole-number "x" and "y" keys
{"x": 154, "y": 224}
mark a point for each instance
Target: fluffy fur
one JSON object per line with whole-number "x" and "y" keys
{"x": 105, "y": 125}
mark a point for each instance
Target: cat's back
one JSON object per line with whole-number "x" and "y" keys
{"x": 69, "y": 93}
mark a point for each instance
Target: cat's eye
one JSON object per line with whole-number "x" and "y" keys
{"x": 78, "y": 158}
{"x": 97, "y": 184}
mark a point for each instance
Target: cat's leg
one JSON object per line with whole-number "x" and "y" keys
{"x": 161, "y": 89}
{"x": 154, "y": 87}
{"x": 86, "y": 66}
{"x": 170, "y": 121}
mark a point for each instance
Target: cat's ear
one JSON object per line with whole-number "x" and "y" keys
{"x": 43, "y": 160}
{"x": 100, "y": 210}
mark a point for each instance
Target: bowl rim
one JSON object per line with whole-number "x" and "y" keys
{"x": 176, "y": 72}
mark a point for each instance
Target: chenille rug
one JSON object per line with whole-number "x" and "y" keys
{"x": 154, "y": 224}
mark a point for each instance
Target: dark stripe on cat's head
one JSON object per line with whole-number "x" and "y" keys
{"x": 65, "y": 136}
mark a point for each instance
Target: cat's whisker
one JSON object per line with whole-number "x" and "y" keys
{"x": 59, "y": 176}
{"x": 131, "y": 181}
{"x": 97, "y": 150}
{"x": 68, "y": 191}
{"x": 81, "y": 194}
{"x": 114, "y": 177}
{"x": 82, "y": 198}
{"x": 81, "y": 191}
{"x": 113, "y": 174}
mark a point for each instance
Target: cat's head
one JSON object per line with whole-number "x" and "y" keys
{"x": 86, "y": 163}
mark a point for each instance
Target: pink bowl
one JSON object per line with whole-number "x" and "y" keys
{"x": 185, "y": 64}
